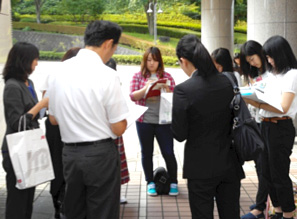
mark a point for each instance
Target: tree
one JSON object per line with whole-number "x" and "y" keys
{"x": 83, "y": 8}
{"x": 38, "y": 5}
{"x": 240, "y": 10}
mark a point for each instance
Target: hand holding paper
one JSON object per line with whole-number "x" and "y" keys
{"x": 260, "y": 96}
{"x": 154, "y": 88}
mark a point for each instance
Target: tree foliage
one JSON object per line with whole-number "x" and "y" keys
{"x": 240, "y": 10}
{"x": 83, "y": 8}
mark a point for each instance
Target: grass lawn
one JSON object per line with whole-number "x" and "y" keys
{"x": 172, "y": 43}
{"x": 239, "y": 38}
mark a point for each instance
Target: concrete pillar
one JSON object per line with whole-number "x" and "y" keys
{"x": 267, "y": 18}
{"x": 217, "y": 22}
{"x": 6, "y": 30}
{"x": 5, "y": 46}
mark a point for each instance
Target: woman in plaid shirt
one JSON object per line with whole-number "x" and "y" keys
{"x": 147, "y": 125}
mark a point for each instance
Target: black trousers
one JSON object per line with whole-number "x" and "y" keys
{"x": 92, "y": 175}
{"x": 19, "y": 203}
{"x": 279, "y": 140}
{"x": 55, "y": 144}
{"x": 225, "y": 189}
{"x": 263, "y": 188}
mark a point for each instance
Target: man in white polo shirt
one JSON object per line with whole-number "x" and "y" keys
{"x": 87, "y": 103}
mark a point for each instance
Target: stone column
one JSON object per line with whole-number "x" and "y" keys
{"x": 217, "y": 22}
{"x": 6, "y": 30}
{"x": 267, "y": 18}
{"x": 5, "y": 45}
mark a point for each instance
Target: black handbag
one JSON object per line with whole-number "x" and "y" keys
{"x": 247, "y": 137}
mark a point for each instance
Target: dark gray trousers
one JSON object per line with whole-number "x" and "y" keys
{"x": 92, "y": 175}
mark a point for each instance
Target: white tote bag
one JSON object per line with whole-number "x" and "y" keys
{"x": 165, "y": 111}
{"x": 30, "y": 157}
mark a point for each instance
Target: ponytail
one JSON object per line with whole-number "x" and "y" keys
{"x": 198, "y": 56}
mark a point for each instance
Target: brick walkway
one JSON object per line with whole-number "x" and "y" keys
{"x": 139, "y": 204}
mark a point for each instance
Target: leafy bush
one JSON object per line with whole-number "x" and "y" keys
{"x": 51, "y": 55}
{"x": 28, "y": 19}
{"x": 27, "y": 28}
{"x": 240, "y": 26}
{"x": 74, "y": 30}
{"x": 16, "y": 16}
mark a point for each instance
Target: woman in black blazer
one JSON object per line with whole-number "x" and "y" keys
{"x": 19, "y": 98}
{"x": 202, "y": 116}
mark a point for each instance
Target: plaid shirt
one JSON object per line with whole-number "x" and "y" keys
{"x": 138, "y": 82}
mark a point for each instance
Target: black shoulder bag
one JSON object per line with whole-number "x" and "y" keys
{"x": 247, "y": 137}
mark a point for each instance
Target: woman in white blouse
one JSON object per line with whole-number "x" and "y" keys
{"x": 277, "y": 126}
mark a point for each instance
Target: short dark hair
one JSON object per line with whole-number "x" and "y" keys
{"x": 278, "y": 48}
{"x": 70, "y": 53}
{"x": 99, "y": 31}
{"x": 222, "y": 56}
{"x": 250, "y": 48}
{"x": 157, "y": 56}
{"x": 19, "y": 61}
{"x": 191, "y": 48}
{"x": 112, "y": 64}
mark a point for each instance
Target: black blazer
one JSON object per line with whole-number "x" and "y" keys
{"x": 201, "y": 115}
{"x": 17, "y": 101}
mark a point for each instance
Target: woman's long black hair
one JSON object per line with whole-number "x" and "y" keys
{"x": 19, "y": 61}
{"x": 222, "y": 56}
{"x": 250, "y": 48}
{"x": 280, "y": 50}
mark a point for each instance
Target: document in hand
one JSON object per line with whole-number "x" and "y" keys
{"x": 154, "y": 88}
{"x": 135, "y": 111}
{"x": 261, "y": 96}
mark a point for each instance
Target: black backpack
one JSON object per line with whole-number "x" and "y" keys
{"x": 161, "y": 179}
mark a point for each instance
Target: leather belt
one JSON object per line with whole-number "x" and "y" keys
{"x": 275, "y": 119}
{"x": 85, "y": 143}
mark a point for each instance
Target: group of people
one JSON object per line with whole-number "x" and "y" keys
{"x": 87, "y": 116}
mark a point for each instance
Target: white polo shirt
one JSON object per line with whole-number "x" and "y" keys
{"x": 85, "y": 97}
{"x": 276, "y": 85}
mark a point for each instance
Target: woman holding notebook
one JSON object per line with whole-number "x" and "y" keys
{"x": 277, "y": 126}
{"x": 143, "y": 93}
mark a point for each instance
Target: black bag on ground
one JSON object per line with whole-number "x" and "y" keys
{"x": 247, "y": 137}
{"x": 161, "y": 179}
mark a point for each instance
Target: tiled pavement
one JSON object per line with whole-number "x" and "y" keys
{"x": 139, "y": 204}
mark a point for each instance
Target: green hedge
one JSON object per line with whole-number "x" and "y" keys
{"x": 120, "y": 59}
{"x": 74, "y": 30}
{"x": 166, "y": 20}
{"x": 50, "y": 55}
{"x": 163, "y": 31}
{"x": 240, "y": 29}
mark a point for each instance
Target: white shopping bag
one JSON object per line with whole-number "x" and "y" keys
{"x": 165, "y": 112}
{"x": 30, "y": 157}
